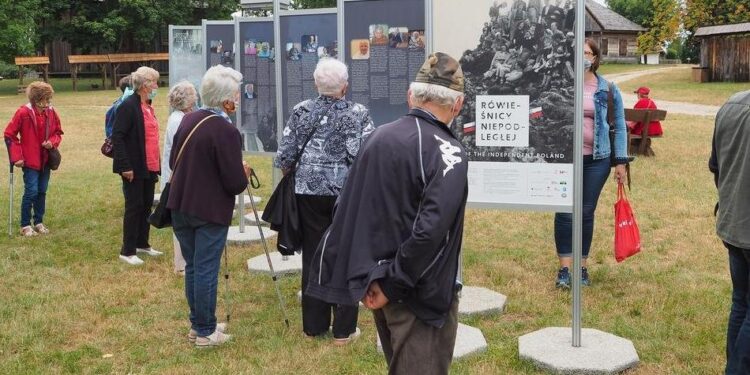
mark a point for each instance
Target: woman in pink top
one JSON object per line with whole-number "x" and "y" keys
{"x": 135, "y": 137}
{"x": 597, "y": 152}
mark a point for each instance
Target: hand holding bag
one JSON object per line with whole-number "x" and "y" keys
{"x": 281, "y": 211}
{"x": 162, "y": 216}
{"x": 627, "y": 235}
{"x": 53, "y": 154}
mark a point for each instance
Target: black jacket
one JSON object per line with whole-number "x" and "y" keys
{"x": 399, "y": 220}
{"x": 129, "y": 138}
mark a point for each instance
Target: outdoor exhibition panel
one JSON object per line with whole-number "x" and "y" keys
{"x": 306, "y": 37}
{"x": 383, "y": 43}
{"x": 255, "y": 59}
{"x": 517, "y": 123}
{"x": 186, "y": 54}
{"x": 219, "y": 43}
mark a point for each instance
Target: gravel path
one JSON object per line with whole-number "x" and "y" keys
{"x": 630, "y": 98}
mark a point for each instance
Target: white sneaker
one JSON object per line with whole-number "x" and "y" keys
{"x": 132, "y": 260}
{"x": 347, "y": 340}
{"x": 150, "y": 251}
{"x": 192, "y": 335}
{"x": 215, "y": 339}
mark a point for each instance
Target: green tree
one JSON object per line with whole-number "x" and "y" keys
{"x": 310, "y": 4}
{"x": 663, "y": 26}
{"x": 18, "y": 36}
{"x": 123, "y": 25}
{"x": 638, "y": 11}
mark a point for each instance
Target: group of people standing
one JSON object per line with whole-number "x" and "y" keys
{"x": 382, "y": 210}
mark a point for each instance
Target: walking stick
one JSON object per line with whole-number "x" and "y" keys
{"x": 10, "y": 200}
{"x": 254, "y": 183}
{"x": 227, "y": 299}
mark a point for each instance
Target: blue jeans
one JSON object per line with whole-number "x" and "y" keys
{"x": 595, "y": 173}
{"x": 202, "y": 244}
{"x": 34, "y": 195}
{"x": 738, "y": 329}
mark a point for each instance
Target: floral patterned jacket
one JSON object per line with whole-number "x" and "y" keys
{"x": 342, "y": 127}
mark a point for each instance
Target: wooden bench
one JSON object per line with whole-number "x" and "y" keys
{"x": 118, "y": 58}
{"x": 644, "y": 116}
{"x": 77, "y": 60}
{"x": 21, "y": 61}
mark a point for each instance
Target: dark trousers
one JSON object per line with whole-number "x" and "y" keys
{"x": 413, "y": 347}
{"x": 202, "y": 244}
{"x": 595, "y": 173}
{"x": 738, "y": 329}
{"x": 316, "y": 214}
{"x": 139, "y": 197}
{"x": 34, "y": 195}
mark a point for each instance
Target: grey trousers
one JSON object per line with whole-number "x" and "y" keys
{"x": 413, "y": 347}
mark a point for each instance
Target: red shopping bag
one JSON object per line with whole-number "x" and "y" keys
{"x": 627, "y": 235}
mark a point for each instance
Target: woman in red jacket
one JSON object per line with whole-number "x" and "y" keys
{"x": 34, "y": 129}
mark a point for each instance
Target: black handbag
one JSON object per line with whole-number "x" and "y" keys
{"x": 162, "y": 216}
{"x": 53, "y": 154}
{"x": 107, "y": 148}
{"x": 281, "y": 211}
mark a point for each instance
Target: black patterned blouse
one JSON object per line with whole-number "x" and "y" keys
{"x": 342, "y": 127}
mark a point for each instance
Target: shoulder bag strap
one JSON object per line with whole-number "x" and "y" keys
{"x": 315, "y": 128}
{"x": 182, "y": 148}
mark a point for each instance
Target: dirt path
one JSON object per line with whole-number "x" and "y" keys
{"x": 629, "y": 98}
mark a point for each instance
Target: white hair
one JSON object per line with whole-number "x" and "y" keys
{"x": 141, "y": 76}
{"x": 182, "y": 96}
{"x": 428, "y": 93}
{"x": 219, "y": 84}
{"x": 331, "y": 76}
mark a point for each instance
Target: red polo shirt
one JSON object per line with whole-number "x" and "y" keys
{"x": 152, "y": 138}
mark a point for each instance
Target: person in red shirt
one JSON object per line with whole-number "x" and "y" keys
{"x": 135, "y": 138}
{"x": 33, "y": 130}
{"x": 644, "y": 102}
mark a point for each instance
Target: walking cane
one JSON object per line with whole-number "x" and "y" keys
{"x": 227, "y": 299}
{"x": 10, "y": 201}
{"x": 254, "y": 183}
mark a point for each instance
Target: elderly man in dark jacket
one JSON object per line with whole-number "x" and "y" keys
{"x": 396, "y": 236}
{"x": 730, "y": 163}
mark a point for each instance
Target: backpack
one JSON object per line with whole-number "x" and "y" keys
{"x": 109, "y": 117}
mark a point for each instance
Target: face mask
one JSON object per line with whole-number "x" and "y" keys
{"x": 230, "y": 108}
{"x": 586, "y": 64}
{"x": 454, "y": 114}
{"x": 152, "y": 94}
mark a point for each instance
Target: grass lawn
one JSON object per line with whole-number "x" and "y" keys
{"x": 677, "y": 86}
{"x": 69, "y": 306}
{"x": 615, "y": 68}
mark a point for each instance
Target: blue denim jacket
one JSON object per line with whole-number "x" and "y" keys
{"x": 602, "y": 148}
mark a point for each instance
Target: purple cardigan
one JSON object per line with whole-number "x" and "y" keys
{"x": 210, "y": 173}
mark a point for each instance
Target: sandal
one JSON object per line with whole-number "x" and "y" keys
{"x": 27, "y": 231}
{"x": 41, "y": 228}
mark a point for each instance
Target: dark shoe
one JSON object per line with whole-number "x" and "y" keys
{"x": 585, "y": 281}
{"x": 563, "y": 278}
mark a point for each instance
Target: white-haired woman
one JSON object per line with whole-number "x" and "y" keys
{"x": 182, "y": 98}
{"x": 202, "y": 212}
{"x": 336, "y": 128}
{"x": 135, "y": 137}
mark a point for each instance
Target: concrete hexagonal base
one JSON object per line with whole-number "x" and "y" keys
{"x": 251, "y": 235}
{"x": 250, "y": 219}
{"x": 600, "y": 352}
{"x": 469, "y": 340}
{"x": 480, "y": 301}
{"x": 292, "y": 264}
